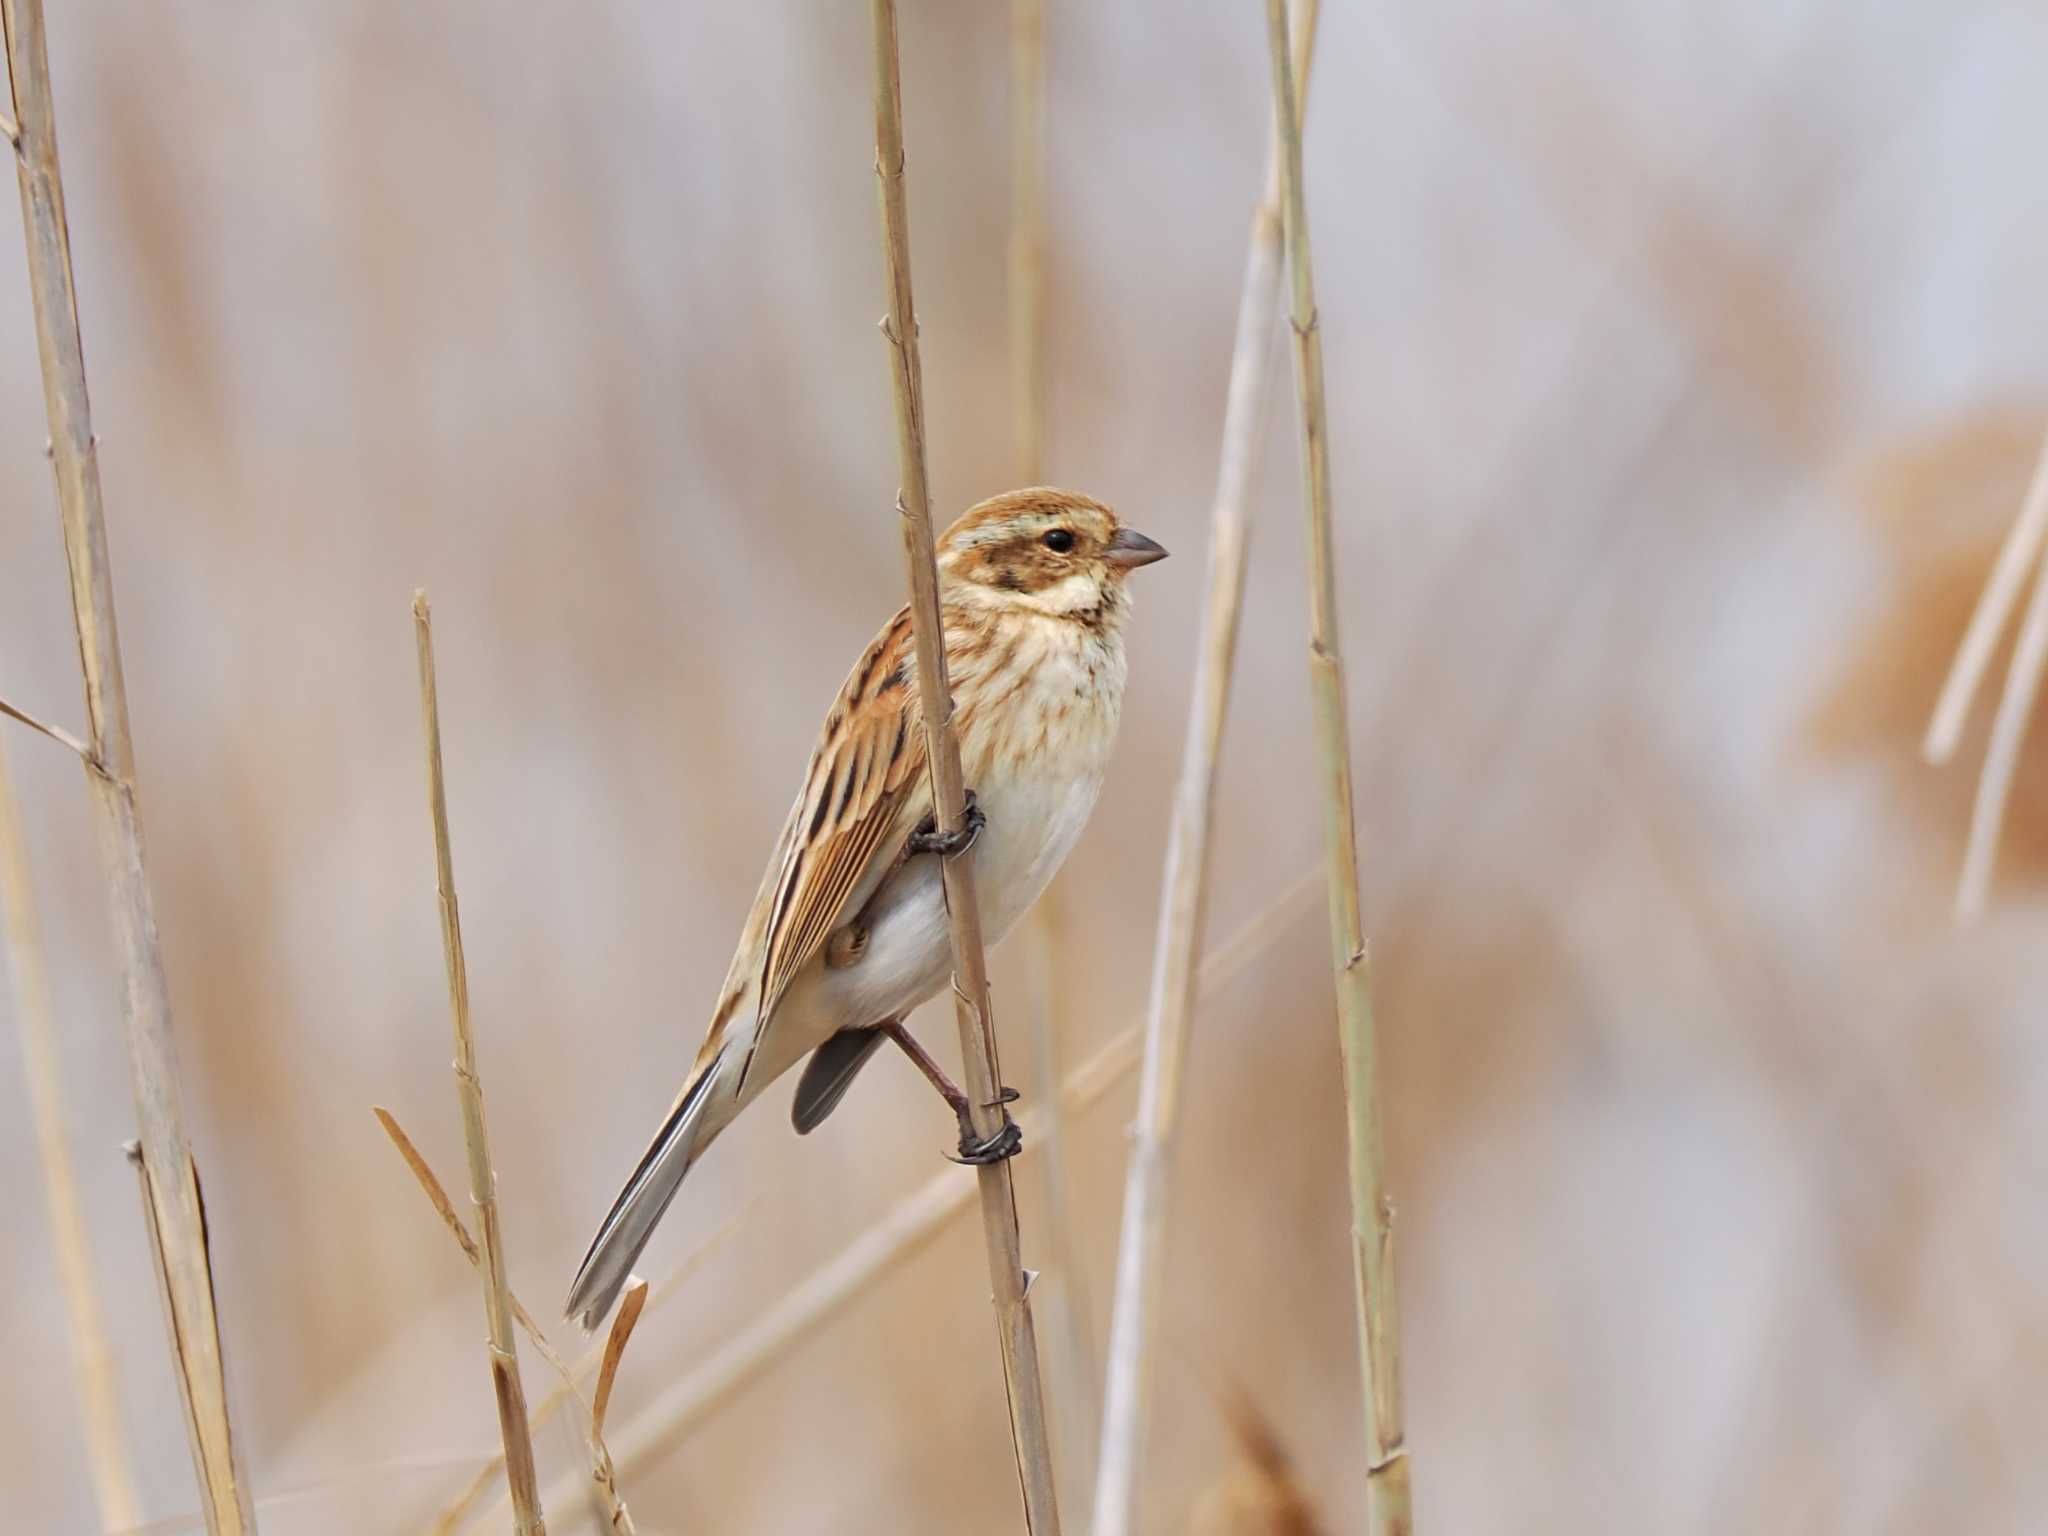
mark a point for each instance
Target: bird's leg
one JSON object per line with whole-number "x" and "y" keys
{"x": 949, "y": 845}
{"x": 973, "y": 1149}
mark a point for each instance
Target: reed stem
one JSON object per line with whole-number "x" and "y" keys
{"x": 174, "y": 1213}
{"x": 1015, "y": 1333}
{"x": 1184, "y": 899}
{"x": 469, "y": 1089}
{"x": 1388, "y": 1502}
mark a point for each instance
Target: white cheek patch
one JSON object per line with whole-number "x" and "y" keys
{"x": 1070, "y": 594}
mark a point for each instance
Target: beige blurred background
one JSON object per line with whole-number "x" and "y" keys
{"x": 1686, "y": 364}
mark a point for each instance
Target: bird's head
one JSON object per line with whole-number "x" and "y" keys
{"x": 1050, "y": 551}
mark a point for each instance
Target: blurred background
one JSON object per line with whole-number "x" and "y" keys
{"x": 1686, "y": 364}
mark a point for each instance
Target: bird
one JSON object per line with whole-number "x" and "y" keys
{"x": 849, "y": 931}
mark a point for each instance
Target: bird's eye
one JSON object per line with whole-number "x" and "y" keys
{"x": 1059, "y": 541}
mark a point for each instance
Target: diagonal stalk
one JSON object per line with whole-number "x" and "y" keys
{"x": 1387, "y": 1471}
{"x": 1015, "y": 1333}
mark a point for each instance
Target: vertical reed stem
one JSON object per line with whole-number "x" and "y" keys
{"x": 1184, "y": 900}
{"x": 169, "y": 1178}
{"x": 106, "y": 1437}
{"x": 469, "y": 1088}
{"x": 1073, "y": 1371}
{"x": 1014, "y": 1329}
{"x": 1387, "y": 1471}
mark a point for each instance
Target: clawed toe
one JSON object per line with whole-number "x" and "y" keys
{"x": 950, "y": 845}
{"x": 979, "y": 1153}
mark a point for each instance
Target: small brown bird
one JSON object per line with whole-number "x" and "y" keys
{"x": 849, "y": 932}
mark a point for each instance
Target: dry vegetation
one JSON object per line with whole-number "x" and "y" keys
{"x": 1683, "y": 383}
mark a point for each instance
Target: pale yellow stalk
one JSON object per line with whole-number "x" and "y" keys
{"x": 1388, "y": 1504}
{"x": 469, "y": 1089}
{"x": 1015, "y": 1333}
{"x": 174, "y": 1214}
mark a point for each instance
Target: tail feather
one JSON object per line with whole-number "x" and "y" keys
{"x": 641, "y": 1204}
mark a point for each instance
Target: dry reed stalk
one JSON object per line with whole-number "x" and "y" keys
{"x": 106, "y": 1437}
{"x": 600, "y": 1459}
{"x": 437, "y": 1196}
{"x": 905, "y": 1229}
{"x": 1015, "y": 1333}
{"x": 175, "y": 1214}
{"x": 1388, "y": 1503}
{"x": 483, "y": 1181}
{"x": 1140, "y": 1275}
{"x": 458, "y": 1510}
{"x": 1061, "y": 1282}
{"x": 2020, "y": 553}
{"x": 2001, "y": 758}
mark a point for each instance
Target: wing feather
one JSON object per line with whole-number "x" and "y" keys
{"x": 865, "y": 792}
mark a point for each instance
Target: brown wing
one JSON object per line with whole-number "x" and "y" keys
{"x": 865, "y": 791}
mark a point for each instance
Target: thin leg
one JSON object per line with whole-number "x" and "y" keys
{"x": 973, "y": 1149}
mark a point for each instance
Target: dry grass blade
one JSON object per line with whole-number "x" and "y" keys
{"x": 1127, "y": 1389}
{"x": 56, "y": 733}
{"x": 2020, "y": 553}
{"x": 909, "y": 1225}
{"x": 623, "y": 1325}
{"x": 437, "y": 1196}
{"x": 2001, "y": 758}
{"x": 483, "y": 1191}
{"x": 106, "y": 1437}
{"x": 1015, "y": 1332}
{"x": 452, "y": 1517}
{"x": 1387, "y": 1471}
{"x": 170, "y": 1181}
{"x": 630, "y": 1306}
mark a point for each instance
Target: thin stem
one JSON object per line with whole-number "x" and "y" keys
{"x": 2020, "y": 552}
{"x": 1014, "y": 1330}
{"x": 1387, "y": 1471}
{"x": 2001, "y": 759}
{"x": 106, "y": 1436}
{"x": 175, "y": 1217}
{"x": 1074, "y": 1368}
{"x": 1184, "y": 901}
{"x": 469, "y": 1089}
{"x": 908, "y": 1227}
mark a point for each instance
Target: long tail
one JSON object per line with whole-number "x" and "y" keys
{"x": 640, "y": 1205}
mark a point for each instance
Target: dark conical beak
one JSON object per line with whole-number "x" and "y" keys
{"x": 1128, "y": 549}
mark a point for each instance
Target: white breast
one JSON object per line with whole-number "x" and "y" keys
{"x": 1036, "y": 788}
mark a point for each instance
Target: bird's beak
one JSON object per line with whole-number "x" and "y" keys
{"x": 1128, "y": 549}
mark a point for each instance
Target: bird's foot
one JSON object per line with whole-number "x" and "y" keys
{"x": 949, "y": 845}
{"x": 1006, "y": 1142}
